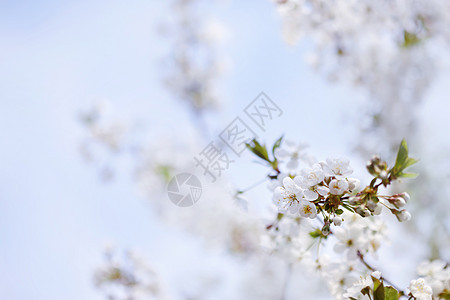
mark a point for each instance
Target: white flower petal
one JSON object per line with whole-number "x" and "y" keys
{"x": 310, "y": 195}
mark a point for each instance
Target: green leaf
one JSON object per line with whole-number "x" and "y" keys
{"x": 444, "y": 295}
{"x": 409, "y": 162}
{"x": 316, "y": 233}
{"x": 402, "y": 155}
{"x": 402, "y": 162}
{"x": 379, "y": 292}
{"x": 390, "y": 293}
{"x": 410, "y": 39}
{"x": 258, "y": 149}
{"x": 339, "y": 211}
{"x": 408, "y": 175}
{"x": 276, "y": 145}
{"x": 376, "y": 282}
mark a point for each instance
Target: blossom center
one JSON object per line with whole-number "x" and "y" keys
{"x": 307, "y": 209}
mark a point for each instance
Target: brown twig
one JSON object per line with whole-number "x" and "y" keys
{"x": 361, "y": 258}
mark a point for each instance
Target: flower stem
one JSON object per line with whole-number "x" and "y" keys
{"x": 361, "y": 258}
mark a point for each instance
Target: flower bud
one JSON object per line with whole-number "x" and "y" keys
{"x": 362, "y": 212}
{"x": 405, "y": 196}
{"x": 375, "y": 166}
{"x": 353, "y": 183}
{"x": 399, "y": 202}
{"x": 337, "y": 221}
{"x": 353, "y": 200}
{"x": 377, "y": 209}
{"x": 371, "y": 205}
{"x": 403, "y": 215}
{"x": 326, "y": 228}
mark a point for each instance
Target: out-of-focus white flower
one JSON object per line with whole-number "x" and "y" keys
{"x": 214, "y": 31}
{"x": 338, "y": 167}
{"x": 355, "y": 290}
{"x": 292, "y": 153}
{"x": 436, "y": 275}
{"x": 420, "y": 290}
{"x": 357, "y": 233}
{"x": 431, "y": 268}
{"x": 311, "y": 176}
{"x": 288, "y": 196}
{"x": 129, "y": 277}
{"x": 351, "y": 239}
{"x": 338, "y": 187}
{"x": 271, "y": 185}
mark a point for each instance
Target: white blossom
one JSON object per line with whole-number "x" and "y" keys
{"x": 355, "y": 290}
{"x": 431, "y": 268}
{"x": 311, "y": 176}
{"x": 308, "y": 210}
{"x": 292, "y": 153}
{"x": 420, "y": 290}
{"x": 338, "y": 167}
{"x": 350, "y": 239}
{"x": 436, "y": 275}
{"x": 287, "y": 197}
{"x": 309, "y": 179}
{"x": 338, "y": 187}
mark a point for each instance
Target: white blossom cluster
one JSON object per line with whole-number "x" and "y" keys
{"x": 128, "y": 277}
{"x": 394, "y": 51}
{"x": 296, "y": 195}
{"x": 300, "y": 194}
{"x": 326, "y": 188}
{"x": 435, "y": 280}
{"x": 105, "y": 138}
{"x": 195, "y": 64}
{"x": 364, "y": 282}
{"x": 311, "y": 191}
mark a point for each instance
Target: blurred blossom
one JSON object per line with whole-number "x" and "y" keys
{"x": 195, "y": 63}
{"x": 392, "y": 49}
{"x": 127, "y": 276}
{"x": 104, "y": 139}
{"x": 319, "y": 218}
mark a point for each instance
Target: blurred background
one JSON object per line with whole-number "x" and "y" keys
{"x": 104, "y": 101}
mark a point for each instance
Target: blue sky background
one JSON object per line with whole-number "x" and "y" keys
{"x": 60, "y": 57}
